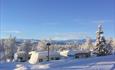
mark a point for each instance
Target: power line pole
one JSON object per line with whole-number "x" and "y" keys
{"x": 48, "y": 44}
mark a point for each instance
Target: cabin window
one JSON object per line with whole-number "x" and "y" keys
{"x": 20, "y": 59}
{"x": 40, "y": 60}
{"x": 52, "y": 58}
{"x": 57, "y": 58}
{"x": 29, "y": 56}
{"x": 76, "y": 56}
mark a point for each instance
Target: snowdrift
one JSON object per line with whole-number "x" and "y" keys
{"x": 93, "y": 63}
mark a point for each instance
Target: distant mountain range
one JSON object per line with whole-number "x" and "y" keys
{"x": 60, "y": 42}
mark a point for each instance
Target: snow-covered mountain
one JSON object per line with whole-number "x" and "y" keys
{"x": 58, "y": 42}
{"x": 92, "y": 63}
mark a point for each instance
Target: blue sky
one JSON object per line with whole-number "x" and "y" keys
{"x": 56, "y": 19}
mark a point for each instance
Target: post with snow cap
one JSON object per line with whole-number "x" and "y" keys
{"x": 48, "y": 44}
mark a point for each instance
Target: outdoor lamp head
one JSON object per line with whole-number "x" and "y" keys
{"x": 48, "y": 44}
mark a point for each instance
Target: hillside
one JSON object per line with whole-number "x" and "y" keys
{"x": 93, "y": 63}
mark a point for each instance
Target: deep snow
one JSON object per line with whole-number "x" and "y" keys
{"x": 92, "y": 63}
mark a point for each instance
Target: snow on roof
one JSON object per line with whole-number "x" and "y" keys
{"x": 77, "y": 51}
{"x": 44, "y": 54}
{"x": 67, "y": 53}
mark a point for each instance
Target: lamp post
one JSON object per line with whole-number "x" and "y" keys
{"x": 48, "y": 44}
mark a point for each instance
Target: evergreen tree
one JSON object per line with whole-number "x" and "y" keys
{"x": 41, "y": 45}
{"x": 101, "y": 44}
{"x": 9, "y": 48}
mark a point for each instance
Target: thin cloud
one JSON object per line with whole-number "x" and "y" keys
{"x": 94, "y": 21}
{"x": 103, "y": 21}
{"x": 12, "y": 31}
{"x": 50, "y": 23}
{"x": 67, "y": 36}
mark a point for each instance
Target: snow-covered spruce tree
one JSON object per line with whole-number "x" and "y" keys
{"x": 22, "y": 51}
{"x": 26, "y": 46}
{"x": 111, "y": 43}
{"x": 1, "y": 50}
{"x": 102, "y": 47}
{"x": 9, "y": 48}
{"x": 88, "y": 46}
{"x": 41, "y": 45}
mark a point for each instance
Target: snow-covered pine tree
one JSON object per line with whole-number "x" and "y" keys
{"x": 88, "y": 44}
{"x": 1, "y": 50}
{"x": 41, "y": 45}
{"x": 9, "y": 48}
{"x": 110, "y": 45}
{"x": 102, "y": 47}
{"x": 26, "y": 46}
{"x": 23, "y": 51}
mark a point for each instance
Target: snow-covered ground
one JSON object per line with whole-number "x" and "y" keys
{"x": 93, "y": 63}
